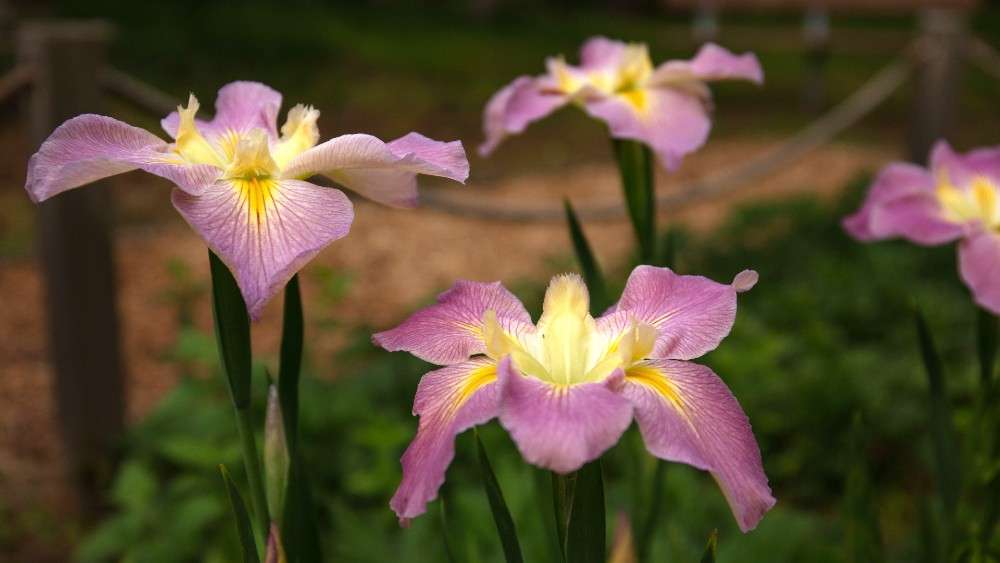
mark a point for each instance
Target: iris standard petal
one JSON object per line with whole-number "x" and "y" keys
{"x": 90, "y": 147}
{"x": 979, "y": 265}
{"x": 265, "y": 230}
{"x": 692, "y": 314}
{"x": 383, "y": 172}
{"x": 713, "y": 62}
{"x": 601, "y": 53}
{"x": 451, "y": 330}
{"x": 902, "y": 203}
{"x": 672, "y": 122}
{"x": 448, "y": 401}
{"x": 515, "y": 106}
{"x": 687, "y": 414}
{"x": 985, "y": 162}
{"x": 240, "y": 107}
{"x": 561, "y": 427}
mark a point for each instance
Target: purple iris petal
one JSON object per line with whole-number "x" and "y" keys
{"x": 383, "y": 172}
{"x": 88, "y": 148}
{"x": 692, "y": 314}
{"x": 266, "y": 232}
{"x": 979, "y": 265}
{"x": 517, "y": 105}
{"x": 673, "y": 123}
{"x": 448, "y": 401}
{"x": 451, "y": 330}
{"x": 687, "y": 414}
{"x": 561, "y": 427}
{"x": 715, "y": 63}
{"x": 240, "y": 107}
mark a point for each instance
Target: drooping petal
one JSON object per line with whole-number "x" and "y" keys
{"x": 979, "y": 265}
{"x": 266, "y": 230}
{"x": 240, "y": 107}
{"x": 90, "y": 147}
{"x": 383, "y": 172}
{"x": 687, "y": 414}
{"x": 672, "y": 122}
{"x": 448, "y": 401}
{"x": 561, "y": 427}
{"x": 517, "y": 105}
{"x": 713, "y": 62}
{"x": 692, "y": 314}
{"x": 901, "y": 202}
{"x": 452, "y": 330}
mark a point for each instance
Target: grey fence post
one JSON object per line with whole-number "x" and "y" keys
{"x": 939, "y": 51}
{"x": 76, "y": 259}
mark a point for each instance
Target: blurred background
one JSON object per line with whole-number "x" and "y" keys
{"x": 823, "y": 356}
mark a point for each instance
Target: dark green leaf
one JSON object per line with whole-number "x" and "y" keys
{"x": 299, "y": 528}
{"x": 501, "y": 515}
{"x": 942, "y": 428}
{"x": 579, "y": 505}
{"x": 635, "y": 164}
{"x": 653, "y": 511}
{"x": 232, "y": 328}
{"x": 588, "y": 263}
{"x": 290, "y": 366}
{"x": 242, "y": 518}
{"x": 863, "y": 537}
{"x": 449, "y": 550}
{"x": 710, "y": 547}
{"x": 987, "y": 347}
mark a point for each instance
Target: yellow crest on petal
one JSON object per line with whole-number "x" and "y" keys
{"x": 977, "y": 202}
{"x": 298, "y": 134}
{"x": 190, "y": 143}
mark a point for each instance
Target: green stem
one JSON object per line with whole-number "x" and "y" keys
{"x": 578, "y": 499}
{"x": 562, "y": 504}
{"x": 251, "y": 461}
{"x": 635, "y": 164}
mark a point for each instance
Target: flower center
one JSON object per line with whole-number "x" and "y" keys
{"x": 566, "y": 347}
{"x": 975, "y": 202}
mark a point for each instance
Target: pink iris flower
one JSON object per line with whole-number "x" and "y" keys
{"x": 241, "y": 183}
{"x": 567, "y": 387}
{"x": 665, "y": 107}
{"x": 955, "y": 198}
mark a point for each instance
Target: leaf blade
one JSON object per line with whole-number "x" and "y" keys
{"x": 498, "y": 506}
{"x": 242, "y": 519}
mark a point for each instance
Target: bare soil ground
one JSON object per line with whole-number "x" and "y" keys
{"x": 394, "y": 258}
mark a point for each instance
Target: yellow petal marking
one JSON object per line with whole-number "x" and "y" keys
{"x": 655, "y": 380}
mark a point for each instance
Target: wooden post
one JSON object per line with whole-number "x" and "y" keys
{"x": 76, "y": 259}
{"x": 942, "y": 32}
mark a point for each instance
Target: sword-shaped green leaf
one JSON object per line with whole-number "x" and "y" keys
{"x": 501, "y": 515}
{"x": 588, "y": 263}
{"x": 243, "y": 527}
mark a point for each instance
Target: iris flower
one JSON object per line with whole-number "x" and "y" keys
{"x": 665, "y": 107}
{"x": 241, "y": 184}
{"x": 956, "y": 198}
{"x": 566, "y": 388}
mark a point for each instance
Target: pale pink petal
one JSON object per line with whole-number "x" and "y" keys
{"x": 384, "y": 172}
{"x": 515, "y": 106}
{"x": 672, "y": 122}
{"x": 945, "y": 162}
{"x": 985, "y": 162}
{"x": 264, "y": 244}
{"x": 90, "y": 147}
{"x": 902, "y": 203}
{"x": 561, "y": 427}
{"x": 451, "y": 330}
{"x": 687, "y": 414}
{"x": 601, "y": 53}
{"x": 712, "y": 62}
{"x": 448, "y": 401}
{"x": 239, "y": 107}
{"x": 979, "y": 265}
{"x": 692, "y": 314}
